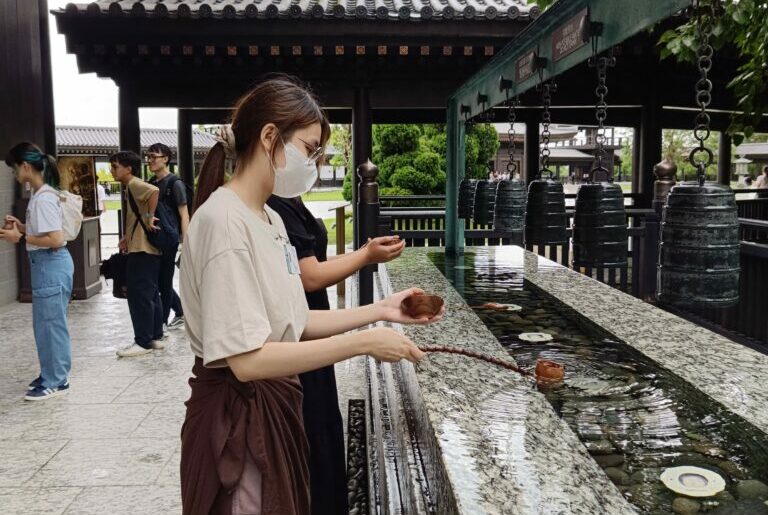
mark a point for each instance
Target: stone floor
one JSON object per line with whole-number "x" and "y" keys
{"x": 111, "y": 445}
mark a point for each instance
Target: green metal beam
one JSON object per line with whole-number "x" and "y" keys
{"x": 454, "y": 231}
{"x": 621, "y": 19}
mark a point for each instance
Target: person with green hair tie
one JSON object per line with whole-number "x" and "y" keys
{"x": 51, "y": 265}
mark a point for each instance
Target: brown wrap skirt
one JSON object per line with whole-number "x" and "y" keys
{"x": 227, "y": 419}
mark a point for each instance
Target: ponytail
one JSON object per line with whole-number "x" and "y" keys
{"x": 51, "y": 174}
{"x": 211, "y": 175}
{"x": 26, "y": 152}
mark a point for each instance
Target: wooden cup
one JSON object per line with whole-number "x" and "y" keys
{"x": 422, "y": 305}
{"x": 549, "y": 371}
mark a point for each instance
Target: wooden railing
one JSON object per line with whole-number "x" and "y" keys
{"x": 756, "y": 208}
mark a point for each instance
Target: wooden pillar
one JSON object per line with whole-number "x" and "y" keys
{"x": 724, "y": 159}
{"x": 362, "y": 146}
{"x": 650, "y": 143}
{"x": 129, "y": 135}
{"x": 531, "y": 168}
{"x": 128, "y": 122}
{"x": 185, "y": 153}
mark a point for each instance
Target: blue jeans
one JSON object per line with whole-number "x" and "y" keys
{"x": 52, "y": 273}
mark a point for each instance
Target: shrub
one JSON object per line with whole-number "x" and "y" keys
{"x": 398, "y": 139}
{"x": 419, "y": 183}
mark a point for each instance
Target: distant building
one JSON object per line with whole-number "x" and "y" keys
{"x": 101, "y": 142}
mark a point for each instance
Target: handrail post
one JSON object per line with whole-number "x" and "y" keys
{"x": 368, "y": 213}
{"x": 340, "y": 244}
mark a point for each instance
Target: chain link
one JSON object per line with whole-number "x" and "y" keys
{"x": 703, "y": 90}
{"x": 546, "y": 100}
{"x": 512, "y": 118}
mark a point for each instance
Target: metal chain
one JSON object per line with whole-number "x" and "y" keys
{"x": 546, "y": 100}
{"x": 601, "y": 106}
{"x": 701, "y": 128}
{"x": 512, "y": 117}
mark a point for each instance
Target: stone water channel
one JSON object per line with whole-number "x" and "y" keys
{"x": 644, "y": 390}
{"x": 634, "y": 417}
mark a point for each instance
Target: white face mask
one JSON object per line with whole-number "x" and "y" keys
{"x": 297, "y": 176}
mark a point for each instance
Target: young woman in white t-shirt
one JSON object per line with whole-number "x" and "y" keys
{"x": 51, "y": 267}
{"x": 243, "y": 446}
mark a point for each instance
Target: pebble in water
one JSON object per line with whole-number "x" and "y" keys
{"x": 685, "y": 506}
{"x": 618, "y": 476}
{"x": 752, "y": 489}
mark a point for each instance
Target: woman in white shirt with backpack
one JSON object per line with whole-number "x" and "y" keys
{"x": 51, "y": 266}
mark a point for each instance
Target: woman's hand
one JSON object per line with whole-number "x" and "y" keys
{"x": 383, "y": 249}
{"x": 11, "y": 221}
{"x": 123, "y": 245}
{"x": 12, "y": 235}
{"x": 393, "y": 312}
{"x": 386, "y": 344}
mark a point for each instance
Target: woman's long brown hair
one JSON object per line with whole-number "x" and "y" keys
{"x": 277, "y": 99}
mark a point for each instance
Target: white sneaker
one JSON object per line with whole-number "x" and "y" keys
{"x": 133, "y": 350}
{"x": 158, "y": 345}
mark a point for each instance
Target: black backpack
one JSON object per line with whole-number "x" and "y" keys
{"x": 166, "y": 195}
{"x": 166, "y": 239}
{"x": 115, "y": 269}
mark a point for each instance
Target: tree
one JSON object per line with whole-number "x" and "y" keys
{"x": 412, "y": 158}
{"x": 341, "y": 140}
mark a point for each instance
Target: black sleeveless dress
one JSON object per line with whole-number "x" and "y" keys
{"x": 322, "y": 418}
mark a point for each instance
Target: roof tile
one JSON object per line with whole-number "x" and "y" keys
{"x": 405, "y": 10}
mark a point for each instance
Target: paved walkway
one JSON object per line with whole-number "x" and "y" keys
{"x": 111, "y": 445}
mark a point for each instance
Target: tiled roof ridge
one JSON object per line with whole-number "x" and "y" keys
{"x": 403, "y": 10}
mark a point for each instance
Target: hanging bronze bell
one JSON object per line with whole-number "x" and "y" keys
{"x": 466, "y": 197}
{"x": 699, "y": 250}
{"x": 545, "y": 218}
{"x": 485, "y": 198}
{"x": 600, "y": 226}
{"x": 509, "y": 210}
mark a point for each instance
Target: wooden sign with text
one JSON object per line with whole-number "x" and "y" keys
{"x": 568, "y": 37}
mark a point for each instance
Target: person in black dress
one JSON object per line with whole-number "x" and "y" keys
{"x": 322, "y": 418}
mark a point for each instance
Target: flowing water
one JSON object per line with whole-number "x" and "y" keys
{"x": 634, "y": 417}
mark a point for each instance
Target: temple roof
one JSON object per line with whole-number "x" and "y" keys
{"x": 395, "y": 10}
{"x": 105, "y": 140}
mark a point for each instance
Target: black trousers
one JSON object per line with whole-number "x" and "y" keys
{"x": 144, "y": 298}
{"x": 325, "y": 433}
{"x": 167, "y": 295}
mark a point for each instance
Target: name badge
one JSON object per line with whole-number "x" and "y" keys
{"x": 291, "y": 259}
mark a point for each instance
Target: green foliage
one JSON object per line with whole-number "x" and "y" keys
{"x": 742, "y": 26}
{"x": 542, "y": 3}
{"x": 409, "y": 178}
{"x": 341, "y": 140}
{"x": 394, "y": 191}
{"x": 420, "y": 150}
{"x": 487, "y": 140}
{"x": 346, "y": 187}
{"x": 676, "y": 146}
{"x": 391, "y": 164}
{"x": 397, "y": 139}
{"x": 427, "y": 163}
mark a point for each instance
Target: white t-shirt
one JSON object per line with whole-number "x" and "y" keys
{"x": 44, "y": 214}
{"x": 236, "y": 287}
{"x": 102, "y": 196}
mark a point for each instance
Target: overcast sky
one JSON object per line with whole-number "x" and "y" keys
{"x": 85, "y": 99}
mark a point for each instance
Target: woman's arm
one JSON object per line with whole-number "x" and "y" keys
{"x": 316, "y": 275}
{"x": 51, "y": 240}
{"x": 323, "y": 323}
{"x": 184, "y": 217}
{"x": 281, "y": 359}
